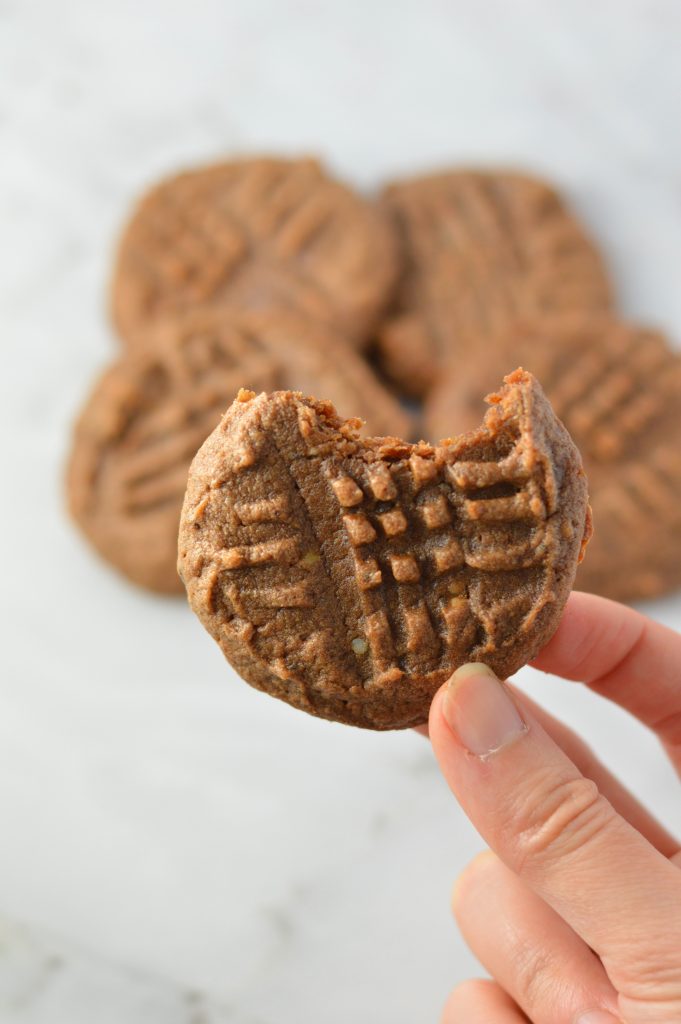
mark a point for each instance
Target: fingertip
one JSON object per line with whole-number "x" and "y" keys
{"x": 469, "y": 878}
{"x": 435, "y": 714}
{"x": 571, "y": 626}
{"x": 480, "y": 711}
{"x": 477, "y": 1000}
{"x": 443, "y": 705}
{"x": 589, "y": 629}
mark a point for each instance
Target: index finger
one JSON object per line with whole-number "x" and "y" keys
{"x": 621, "y": 655}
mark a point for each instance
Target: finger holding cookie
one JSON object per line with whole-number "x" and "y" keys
{"x": 575, "y": 901}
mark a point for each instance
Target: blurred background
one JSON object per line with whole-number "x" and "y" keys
{"x": 175, "y": 847}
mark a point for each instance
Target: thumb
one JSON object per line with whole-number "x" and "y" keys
{"x": 551, "y": 826}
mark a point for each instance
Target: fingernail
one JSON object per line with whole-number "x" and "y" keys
{"x": 597, "y": 1017}
{"x": 479, "y": 709}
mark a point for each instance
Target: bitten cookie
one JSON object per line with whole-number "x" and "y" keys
{"x": 151, "y": 410}
{"x": 480, "y": 247}
{"x": 255, "y": 233}
{"x": 618, "y": 389}
{"x": 350, "y": 577}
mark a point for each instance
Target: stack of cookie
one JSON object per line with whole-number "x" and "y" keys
{"x": 267, "y": 274}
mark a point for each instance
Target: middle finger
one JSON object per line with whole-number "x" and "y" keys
{"x": 530, "y": 951}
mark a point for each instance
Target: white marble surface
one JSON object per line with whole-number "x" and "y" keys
{"x": 174, "y": 846}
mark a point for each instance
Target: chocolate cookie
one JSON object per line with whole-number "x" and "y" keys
{"x": 255, "y": 233}
{"x": 151, "y": 410}
{"x": 302, "y": 356}
{"x": 618, "y": 390}
{"x": 350, "y": 577}
{"x": 480, "y": 247}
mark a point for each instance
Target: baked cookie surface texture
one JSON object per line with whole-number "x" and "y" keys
{"x": 255, "y": 233}
{"x": 480, "y": 248}
{"x": 617, "y": 388}
{"x": 151, "y": 410}
{"x": 351, "y": 576}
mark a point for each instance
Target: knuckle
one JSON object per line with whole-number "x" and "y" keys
{"x": 659, "y": 1009}
{"x": 558, "y": 817}
{"x": 534, "y": 972}
{"x": 652, "y": 973}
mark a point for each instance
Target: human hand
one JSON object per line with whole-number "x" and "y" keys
{"x": 576, "y": 909}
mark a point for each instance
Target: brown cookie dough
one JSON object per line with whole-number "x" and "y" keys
{"x": 255, "y": 233}
{"x": 480, "y": 247}
{"x": 618, "y": 390}
{"x": 350, "y": 577}
{"x": 151, "y": 410}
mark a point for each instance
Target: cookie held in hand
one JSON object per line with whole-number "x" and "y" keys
{"x": 351, "y": 576}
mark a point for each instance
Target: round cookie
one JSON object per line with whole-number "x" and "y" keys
{"x": 300, "y": 354}
{"x": 151, "y": 410}
{"x": 255, "y": 233}
{"x": 618, "y": 390}
{"x": 480, "y": 248}
{"x": 351, "y": 576}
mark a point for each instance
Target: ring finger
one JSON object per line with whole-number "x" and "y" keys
{"x": 531, "y": 952}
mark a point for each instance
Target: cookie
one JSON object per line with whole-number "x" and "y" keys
{"x": 151, "y": 410}
{"x": 302, "y": 356}
{"x": 351, "y": 576}
{"x": 255, "y": 233}
{"x": 480, "y": 248}
{"x": 618, "y": 389}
